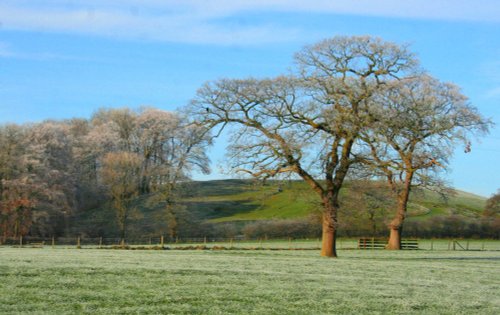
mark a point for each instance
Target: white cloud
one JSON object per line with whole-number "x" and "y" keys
{"x": 203, "y": 21}
{"x": 157, "y": 26}
{"x": 466, "y": 10}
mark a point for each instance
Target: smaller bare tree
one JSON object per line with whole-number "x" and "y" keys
{"x": 492, "y": 208}
{"x": 120, "y": 172}
{"x": 418, "y": 123}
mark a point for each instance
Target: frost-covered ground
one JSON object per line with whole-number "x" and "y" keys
{"x": 69, "y": 281}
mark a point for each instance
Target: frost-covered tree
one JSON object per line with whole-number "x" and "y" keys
{"x": 417, "y": 124}
{"x": 120, "y": 172}
{"x": 307, "y": 124}
{"x": 53, "y": 170}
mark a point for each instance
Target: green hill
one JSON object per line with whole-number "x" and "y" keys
{"x": 231, "y": 200}
{"x": 244, "y": 201}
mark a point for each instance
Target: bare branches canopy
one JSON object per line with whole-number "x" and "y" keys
{"x": 306, "y": 123}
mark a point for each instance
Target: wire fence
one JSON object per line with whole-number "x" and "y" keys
{"x": 160, "y": 242}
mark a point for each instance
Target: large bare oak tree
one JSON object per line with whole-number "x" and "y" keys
{"x": 308, "y": 123}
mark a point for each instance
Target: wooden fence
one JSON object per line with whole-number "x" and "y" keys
{"x": 244, "y": 243}
{"x": 381, "y": 243}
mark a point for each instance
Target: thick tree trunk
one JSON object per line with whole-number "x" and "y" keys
{"x": 329, "y": 237}
{"x": 396, "y": 225}
{"x": 394, "y": 239}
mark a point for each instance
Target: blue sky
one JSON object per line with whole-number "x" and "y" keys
{"x": 62, "y": 58}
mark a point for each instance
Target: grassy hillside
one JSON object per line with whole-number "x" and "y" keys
{"x": 247, "y": 201}
{"x": 231, "y": 200}
{"x": 234, "y": 200}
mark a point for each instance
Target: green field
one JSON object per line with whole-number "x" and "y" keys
{"x": 69, "y": 281}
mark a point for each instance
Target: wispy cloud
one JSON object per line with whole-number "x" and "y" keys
{"x": 493, "y": 93}
{"x": 199, "y": 21}
{"x": 150, "y": 23}
{"x": 5, "y": 50}
{"x": 464, "y": 10}
{"x": 491, "y": 72}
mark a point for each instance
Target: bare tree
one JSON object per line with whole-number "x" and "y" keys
{"x": 120, "y": 172}
{"x": 174, "y": 147}
{"x": 171, "y": 147}
{"x": 306, "y": 125}
{"x": 167, "y": 146}
{"x": 366, "y": 207}
{"x": 492, "y": 208}
{"x": 418, "y": 123}
{"x": 16, "y": 206}
{"x": 51, "y": 170}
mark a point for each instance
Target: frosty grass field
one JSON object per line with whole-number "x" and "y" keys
{"x": 69, "y": 280}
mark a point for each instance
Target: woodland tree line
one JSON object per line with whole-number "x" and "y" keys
{"x": 53, "y": 170}
{"x": 352, "y": 107}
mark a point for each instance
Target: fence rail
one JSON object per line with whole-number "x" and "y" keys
{"x": 381, "y": 243}
{"x": 238, "y": 242}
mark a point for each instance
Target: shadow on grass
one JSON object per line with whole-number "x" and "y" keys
{"x": 218, "y": 209}
{"x": 219, "y": 187}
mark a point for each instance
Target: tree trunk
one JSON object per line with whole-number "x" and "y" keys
{"x": 123, "y": 231}
{"x": 394, "y": 239}
{"x": 396, "y": 225}
{"x": 122, "y": 238}
{"x": 329, "y": 236}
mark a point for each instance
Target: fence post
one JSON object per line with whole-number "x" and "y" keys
{"x": 21, "y": 241}
{"x": 53, "y": 241}
{"x": 161, "y": 241}
{"x": 231, "y": 243}
{"x": 467, "y": 245}
{"x": 432, "y": 244}
{"x": 260, "y": 243}
{"x": 290, "y": 242}
{"x": 205, "y": 240}
{"x": 454, "y": 243}
{"x": 78, "y": 245}
{"x": 100, "y": 242}
{"x": 482, "y": 246}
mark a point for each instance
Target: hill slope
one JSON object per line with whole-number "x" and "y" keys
{"x": 231, "y": 200}
{"x": 240, "y": 201}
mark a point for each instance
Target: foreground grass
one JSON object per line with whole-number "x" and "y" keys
{"x": 68, "y": 281}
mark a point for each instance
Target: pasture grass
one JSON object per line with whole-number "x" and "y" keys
{"x": 92, "y": 281}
